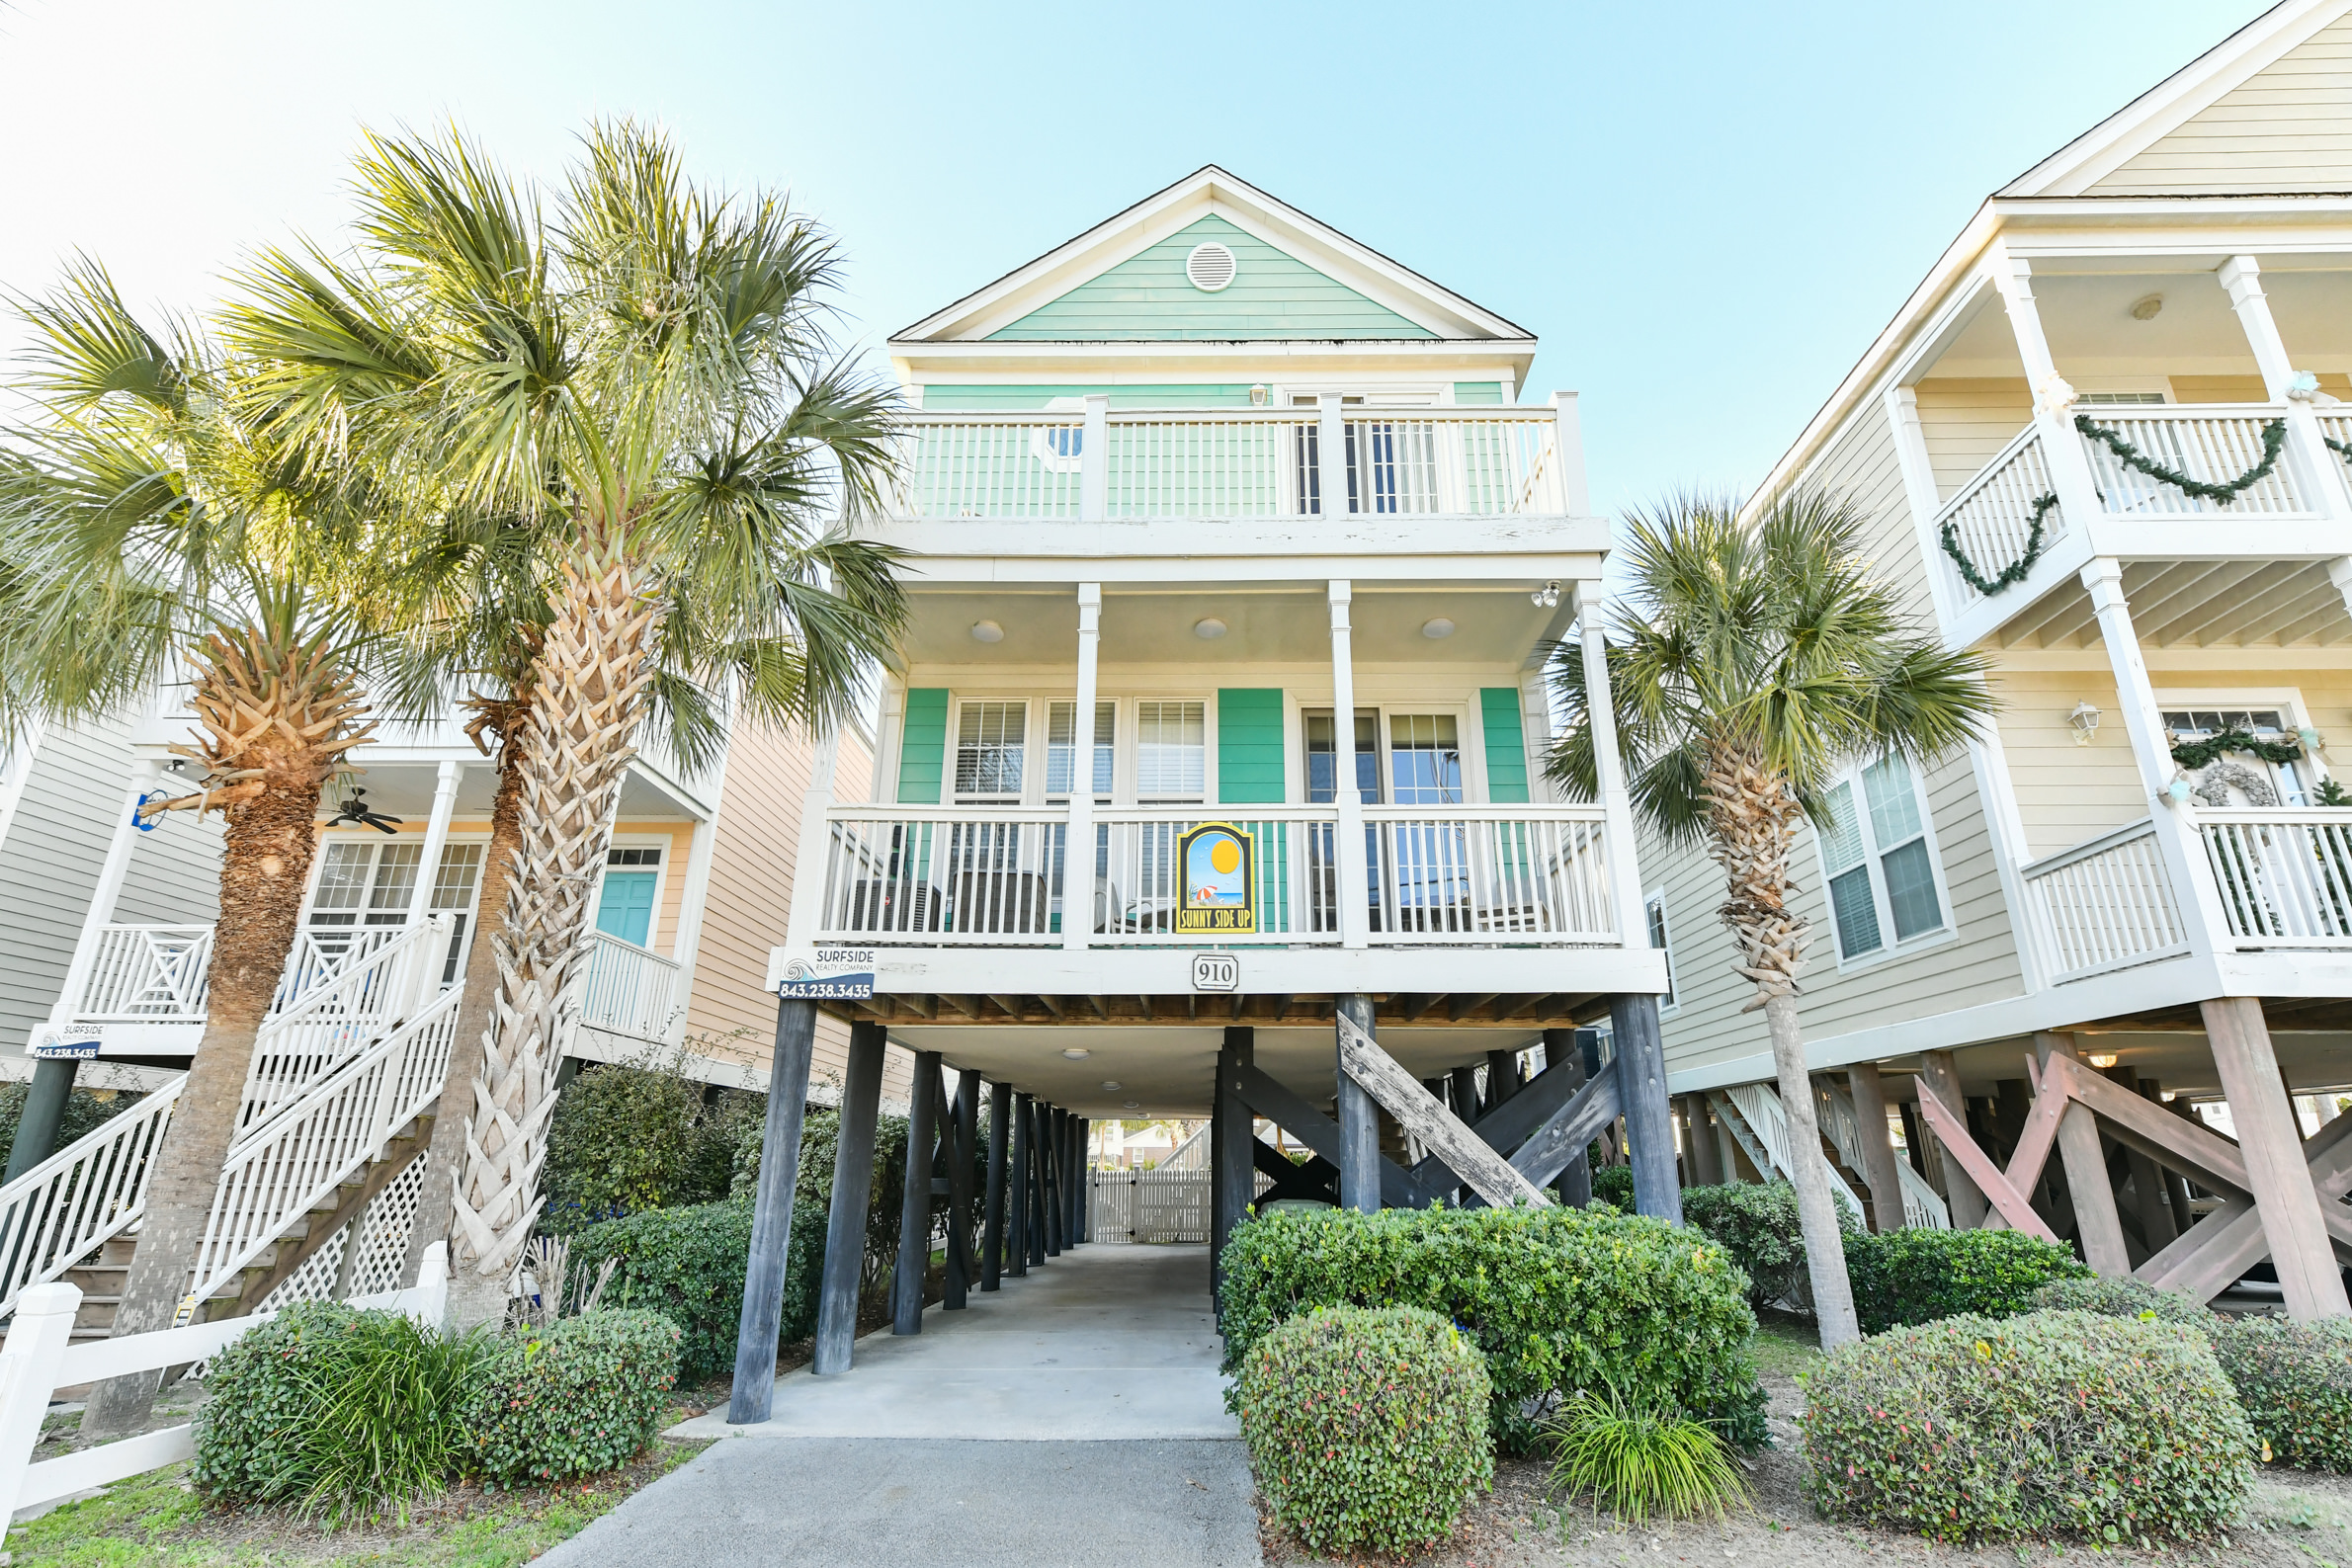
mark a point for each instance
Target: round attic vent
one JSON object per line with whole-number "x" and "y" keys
{"x": 1210, "y": 267}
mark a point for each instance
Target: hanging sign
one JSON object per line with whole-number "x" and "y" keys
{"x": 1219, "y": 897}
{"x": 823, "y": 974}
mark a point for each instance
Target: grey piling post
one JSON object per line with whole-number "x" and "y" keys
{"x": 1049, "y": 1180}
{"x": 914, "y": 1209}
{"x": 754, "y": 1388}
{"x": 1566, "y": 1054}
{"x": 45, "y": 1109}
{"x": 1081, "y": 1181}
{"x": 1236, "y": 1172}
{"x": 1000, "y": 1146}
{"x": 1072, "y": 1144}
{"x": 1035, "y": 1197}
{"x": 1017, "y": 1230}
{"x": 1359, "y": 1121}
{"x": 1648, "y": 1117}
{"x": 960, "y": 1143}
{"x": 853, "y": 1193}
{"x": 1502, "y": 1077}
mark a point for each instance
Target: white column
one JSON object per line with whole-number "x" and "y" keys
{"x": 890, "y": 734}
{"x": 1616, "y": 805}
{"x": 693, "y": 899}
{"x": 117, "y": 865}
{"x": 1331, "y": 453}
{"x": 1355, "y": 914}
{"x": 1920, "y": 494}
{"x": 2069, "y": 468}
{"x": 2321, "y": 472}
{"x": 1535, "y": 724}
{"x": 1077, "y": 851}
{"x": 1567, "y": 437}
{"x": 1094, "y": 460}
{"x": 437, "y": 835}
{"x": 812, "y": 854}
{"x": 2175, "y": 820}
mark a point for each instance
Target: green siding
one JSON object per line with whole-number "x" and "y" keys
{"x": 1506, "y": 745}
{"x": 1481, "y": 392}
{"x": 1273, "y": 295}
{"x": 923, "y": 746}
{"x": 1022, "y": 399}
{"x": 1249, "y": 769}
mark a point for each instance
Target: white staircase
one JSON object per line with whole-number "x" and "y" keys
{"x": 1760, "y": 1125}
{"x": 336, "y": 1105}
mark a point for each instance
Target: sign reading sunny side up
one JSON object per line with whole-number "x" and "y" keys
{"x": 1219, "y": 892}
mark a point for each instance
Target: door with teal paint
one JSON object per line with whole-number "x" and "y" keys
{"x": 627, "y": 908}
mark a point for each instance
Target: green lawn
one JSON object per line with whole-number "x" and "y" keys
{"x": 1785, "y": 1346}
{"x": 152, "y": 1522}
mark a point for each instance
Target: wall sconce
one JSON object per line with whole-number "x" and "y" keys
{"x": 1257, "y": 395}
{"x": 1545, "y": 597}
{"x": 2083, "y": 720}
{"x": 2102, "y": 1059}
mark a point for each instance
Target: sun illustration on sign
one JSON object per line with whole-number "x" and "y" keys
{"x": 1217, "y": 860}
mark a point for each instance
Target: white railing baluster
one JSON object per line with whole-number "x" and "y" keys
{"x": 2104, "y": 904}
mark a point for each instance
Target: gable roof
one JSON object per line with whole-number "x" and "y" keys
{"x": 1050, "y": 298}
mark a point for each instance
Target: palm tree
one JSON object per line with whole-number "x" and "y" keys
{"x": 640, "y": 370}
{"x": 1750, "y": 663}
{"x": 149, "y": 533}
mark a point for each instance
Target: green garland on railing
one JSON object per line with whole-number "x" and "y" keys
{"x": 2194, "y": 754}
{"x": 2340, "y": 449}
{"x": 2016, "y": 570}
{"x": 2273, "y": 440}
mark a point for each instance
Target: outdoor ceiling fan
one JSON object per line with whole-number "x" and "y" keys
{"x": 353, "y": 813}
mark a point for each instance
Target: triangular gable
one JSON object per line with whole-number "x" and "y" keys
{"x": 1273, "y": 294}
{"x": 2269, "y": 110}
{"x": 1124, "y": 281}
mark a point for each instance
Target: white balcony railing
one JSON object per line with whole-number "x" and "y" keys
{"x": 148, "y": 974}
{"x": 2104, "y": 904}
{"x": 1992, "y": 517}
{"x": 1243, "y": 462}
{"x": 2285, "y": 876}
{"x": 631, "y": 990}
{"x": 993, "y": 875}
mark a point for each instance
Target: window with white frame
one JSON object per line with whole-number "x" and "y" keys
{"x": 1171, "y": 750}
{"x": 1878, "y": 862}
{"x": 992, "y": 744}
{"x": 1654, "y": 908}
{"x": 2227, "y": 778}
{"x": 1061, "y": 739}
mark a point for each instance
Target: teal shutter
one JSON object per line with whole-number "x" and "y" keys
{"x": 1249, "y": 768}
{"x": 923, "y": 746}
{"x": 1506, "y": 745}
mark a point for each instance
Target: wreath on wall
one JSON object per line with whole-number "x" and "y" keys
{"x": 2214, "y": 785}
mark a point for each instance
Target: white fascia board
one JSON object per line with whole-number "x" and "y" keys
{"x": 1255, "y": 546}
{"x": 1265, "y": 971}
{"x": 1209, "y": 189}
{"x": 2146, "y": 119}
{"x": 1150, "y": 358}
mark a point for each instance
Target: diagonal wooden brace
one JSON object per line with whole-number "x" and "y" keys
{"x": 1318, "y": 1178}
{"x": 1267, "y": 1096}
{"x": 1564, "y": 1136}
{"x": 1510, "y": 1124}
{"x": 2206, "y": 1258}
{"x": 2004, "y": 1195}
{"x": 1483, "y": 1170}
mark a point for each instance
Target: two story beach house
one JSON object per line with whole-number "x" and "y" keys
{"x": 2105, "y": 442}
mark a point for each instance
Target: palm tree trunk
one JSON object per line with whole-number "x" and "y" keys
{"x": 1817, "y": 1211}
{"x": 589, "y": 694}
{"x": 480, "y": 979}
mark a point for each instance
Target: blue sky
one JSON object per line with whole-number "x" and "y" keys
{"x": 1703, "y": 210}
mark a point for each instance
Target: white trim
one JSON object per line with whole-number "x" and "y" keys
{"x": 661, "y": 879}
{"x": 1873, "y": 864}
{"x": 17, "y": 761}
{"x": 1657, "y": 898}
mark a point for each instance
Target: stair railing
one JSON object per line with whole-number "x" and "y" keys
{"x": 1768, "y": 1120}
{"x": 74, "y": 1202}
{"x": 1922, "y": 1206}
{"x": 351, "y": 1008}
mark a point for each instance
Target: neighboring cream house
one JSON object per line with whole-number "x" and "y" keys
{"x": 2097, "y": 884}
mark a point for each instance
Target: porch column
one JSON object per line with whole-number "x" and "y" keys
{"x": 1082, "y": 1193}
{"x": 1077, "y": 851}
{"x": 437, "y": 836}
{"x": 1017, "y": 1194}
{"x": 1359, "y": 1121}
{"x": 1233, "y": 1181}
{"x": 1041, "y": 1240}
{"x": 2062, "y": 456}
{"x": 686, "y": 944}
{"x": 117, "y": 865}
{"x": 1940, "y": 1072}
{"x": 2272, "y": 1142}
{"x": 771, "y": 1215}
{"x": 2322, "y": 471}
{"x": 1877, "y": 1147}
{"x": 1050, "y": 1124}
{"x": 2148, "y": 1181}
{"x": 812, "y": 850}
{"x": 1568, "y": 437}
{"x": 1649, "y": 1119}
{"x": 1565, "y": 1054}
{"x": 45, "y": 1109}
{"x": 852, "y": 1194}
{"x": 2088, "y": 1187}
{"x": 959, "y": 1139}
{"x": 914, "y": 1207}
{"x": 1000, "y": 1138}
{"x": 1616, "y": 805}
{"x": 1348, "y": 855}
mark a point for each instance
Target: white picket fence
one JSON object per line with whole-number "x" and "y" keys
{"x": 39, "y": 1357}
{"x": 1158, "y": 1205}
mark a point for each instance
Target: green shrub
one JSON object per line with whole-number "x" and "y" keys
{"x": 1614, "y": 1185}
{"x": 1756, "y": 1223}
{"x": 336, "y": 1410}
{"x": 2051, "y": 1424}
{"x": 1366, "y": 1428}
{"x": 1560, "y": 1300}
{"x": 86, "y": 1111}
{"x": 2294, "y": 1380}
{"x": 1918, "y": 1276}
{"x": 687, "y": 1264}
{"x": 1640, "y": 1457}
{"x": 584, "y": 1396}
{"x": 2124, "y": 1298}
{"x": 636, "y": 1135}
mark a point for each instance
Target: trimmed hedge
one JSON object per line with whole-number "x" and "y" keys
{"x": 628, "y": 1136}
{"x": 2125, "y": 1298}
{"x": 584, "y": 1396}
{"x": 1560, "y": 1300}
{"x": 1366, "y": 1427}
{"x": 2294, "y": 1380}
{"x": 1757, "y": 1225}
{"x": 687, "y": 1264}
{"x": 2052, "y": 1424}
{"x": 1614, "y": 1185}
{"x": 1907, "y": 1276}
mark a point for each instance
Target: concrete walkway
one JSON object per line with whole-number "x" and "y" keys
{"x": 1075, "y": 1413}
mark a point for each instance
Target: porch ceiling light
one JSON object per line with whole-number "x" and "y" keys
{"x": 2146, "y": 307}
{"x": 1437, "y": 627}
{"x": 2103, "y": 1059}
{"x": 1130, "y": 1104}
{"x": 2083, "y": 720}
{"x": 1077, "y": 1053}
{"x": 986, "y": 632}
{"x": 1111, "y": 1084}
{"x": 1208, "y": 629}
{"x": 1545, "y": 597}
